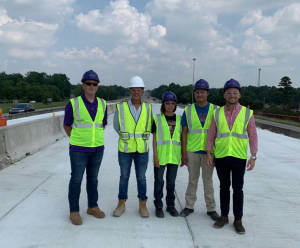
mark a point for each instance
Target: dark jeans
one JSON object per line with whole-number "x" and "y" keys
{"x": 140, "y": 164}
{"x": 236, "y": 167}
{"x": 80, "y": 161}
{"x": 159, "y": 185}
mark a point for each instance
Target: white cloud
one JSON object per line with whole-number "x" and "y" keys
{"x": 42, "y": 10}
{"x": 251, "y": 17}
{"x": 4, "y": 18}
{"x": 26, "y": 33}
{"x": 48, "y": 63}
{"x": 121, "y": 20}
{"x": 26, "y": 54}
{"x": 257, "y": 45}
{"x": 94, "y": 54}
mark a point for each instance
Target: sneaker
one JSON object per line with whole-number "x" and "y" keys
{"x": 120, "y": 209}
{"x": 186, "y": 212}
{"x": 96, "y": 212}
{"x": 159, "y": 213}
{"x": 143, "y": 209}
{"x": 172, "y": 211}
{"x": 222, "y": 221}
{"x": 213, "y": 215}
{"x": 238, "y": 225}
{"x": 75, "y": 218}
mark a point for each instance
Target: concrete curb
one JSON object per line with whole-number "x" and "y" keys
{"x": 287, "y": 130}
{"x": 18, "y": 141}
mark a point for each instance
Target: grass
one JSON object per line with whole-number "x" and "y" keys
{"x": 287, "y": 122}
{"x": 38, "y": 105}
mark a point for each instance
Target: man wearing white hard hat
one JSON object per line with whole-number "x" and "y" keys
{"x": 132, "y": 122}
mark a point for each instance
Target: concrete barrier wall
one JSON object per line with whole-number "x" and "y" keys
{"x": 18, "y": 141}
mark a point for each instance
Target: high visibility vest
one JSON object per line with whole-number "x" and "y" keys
{"x": 197, "y": 135}
{"x": 134, "y": 137}
{"x": 86, "y": 132}
{"x": 232, "y": 143}
{"x": 168, "y": 149}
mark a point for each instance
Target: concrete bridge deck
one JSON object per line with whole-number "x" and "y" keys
{"x": 34, "y": 205}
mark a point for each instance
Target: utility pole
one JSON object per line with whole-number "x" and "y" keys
{"x": 194, "y": 59}
{"x": 258, "y": 84}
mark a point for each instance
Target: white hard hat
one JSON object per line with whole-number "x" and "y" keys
{"x": 136, "y": 81}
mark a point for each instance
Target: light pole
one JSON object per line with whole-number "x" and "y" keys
{"x": 258, "y": 84}
{"x": 194, "y": 59}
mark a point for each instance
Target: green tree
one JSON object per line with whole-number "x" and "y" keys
{"x": 288, "y": 91}
{"x": 257, "y": 105}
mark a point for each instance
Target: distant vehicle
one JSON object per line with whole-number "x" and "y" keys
{"x": 21, "y": 108}
{"x": 3, "y": 102}
{"x": 32, "y": 102}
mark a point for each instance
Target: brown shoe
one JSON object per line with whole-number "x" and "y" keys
{"x": 143, "y": 209}
{"x": 222, "y": 221}
{"x": 96, "y": 212}
{"x": 238, "y": 225}
{"x": 75, "y": 218}
{"x": 120, "y": 208}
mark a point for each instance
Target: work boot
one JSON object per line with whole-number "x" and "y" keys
{"x": 238, "y": 225}
{"x": 120, "y": 208}
{"x": 96, "y": 212}
{"x": 186, "y": 212}
{"x": 213, "y": 215}
{"x": 159, "y": 213}
{"x": 143, "y": 209}
{"x": 222, "y": 221}
{"x": 75, "y": 218}
{"x": 172, "y": 211}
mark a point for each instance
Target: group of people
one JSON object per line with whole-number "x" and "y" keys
{"x": 206, "y": 136}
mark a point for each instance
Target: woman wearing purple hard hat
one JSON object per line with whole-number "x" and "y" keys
{"x": 166, "y": 132}
{"x": 231, "y": 128}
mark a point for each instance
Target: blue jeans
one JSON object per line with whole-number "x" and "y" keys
{"x": 140, "y": 164}
{"x": 236, "y": 168}
{"x": 80, "y": 161}
{"x": 159, "y": 185}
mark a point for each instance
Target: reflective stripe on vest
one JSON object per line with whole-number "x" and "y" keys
{"x": 197, "y": 134}
{"x": 125, "y": 136}
{"x": 168, "y": 149}
{"x": 224, "y": 135}
{"x": 235, "y": 142}
{"x": 85, "y": 131}
{"x": 87, "y": 125}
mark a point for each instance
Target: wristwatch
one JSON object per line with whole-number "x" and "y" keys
{"x": 253, "y": 157}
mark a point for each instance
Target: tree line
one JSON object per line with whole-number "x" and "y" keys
{"x": 284, "y": 95}
{"x": 39, "y": 86}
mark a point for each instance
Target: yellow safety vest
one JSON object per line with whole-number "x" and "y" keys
{"x": 235, "y": 142}
{"x": 134, "y": 137}
{"x": 168, "y": 149}
{"x": 86, "y": 132}
{"x": 197, "y": 135}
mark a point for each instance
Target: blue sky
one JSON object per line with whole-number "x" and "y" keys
{"x": 156, "y": 40}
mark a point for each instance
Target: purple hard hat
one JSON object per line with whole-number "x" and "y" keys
{"x": 232, "y": 83}
{"x": 169, "y": 95}
{"x": 201, "y": 84}
{"x": 90, "y": 75}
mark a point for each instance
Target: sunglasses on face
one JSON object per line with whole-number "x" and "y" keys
{"x": 170, "y": 103}
{"x": 89, "y": 84}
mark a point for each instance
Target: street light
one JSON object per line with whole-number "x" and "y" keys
{"x": 193, "y": 81}
{"x": 258, "y": 84}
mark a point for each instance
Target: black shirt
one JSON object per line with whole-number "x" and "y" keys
{"x": 171, "y": 120}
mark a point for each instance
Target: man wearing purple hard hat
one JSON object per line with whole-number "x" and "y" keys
{"x": 195, "y": 123}
{"x": 230, "y": 129}
{"x": 84, "y": 122}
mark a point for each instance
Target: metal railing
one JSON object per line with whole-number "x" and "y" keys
{"x": 281, "y": 117}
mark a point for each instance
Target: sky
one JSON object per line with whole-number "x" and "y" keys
{"x": 156, "y": 40}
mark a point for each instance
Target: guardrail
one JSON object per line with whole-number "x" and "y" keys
{"x": 281, "y": 117}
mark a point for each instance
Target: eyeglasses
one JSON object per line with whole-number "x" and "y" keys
{"x": 89, "y": 84}
{"x": 232, "y": 93}
{"x": 200, "y": 92}
{"x": 170, "y": 103}
{"x": 135, "y": 90}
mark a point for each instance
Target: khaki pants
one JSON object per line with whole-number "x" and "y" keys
{"x": 195, "y": 161}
